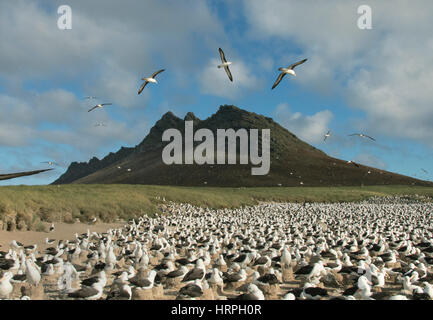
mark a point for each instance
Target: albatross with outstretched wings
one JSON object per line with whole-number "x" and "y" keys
{"x": 328, "y": 134}
{"x": 51, "y": 163}
{"x": 288, "y": 70}
{"x": 20, "y": 174}
{"x": 150, "y": 79}
{"x": 101, "y": 105}
{"x": 225, "y": 64}
{"x": 362, "y": 136}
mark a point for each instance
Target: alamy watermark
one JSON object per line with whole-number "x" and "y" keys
{"x": 365, "y": 21}
{"x": 64, "y": 22}
{"x": 204, "y": 153}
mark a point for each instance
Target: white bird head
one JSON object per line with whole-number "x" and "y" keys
{"x": 6, "y": 276}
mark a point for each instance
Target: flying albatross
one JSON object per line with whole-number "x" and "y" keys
{"x": 288, "y": 70}
{"x": 51, "y": 163}
{"x": 20, "y": 174}
{"x": 150, "y": 79}
{"x": 101, "y": 105}
{"x": 225, "y": 64}
{"x": 362, "y": 136}
{"x": 328, "y": 134}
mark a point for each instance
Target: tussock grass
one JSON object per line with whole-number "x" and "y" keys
{"x": 24, "y": 207}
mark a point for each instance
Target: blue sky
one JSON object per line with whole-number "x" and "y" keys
{"x": 354, "y": 81}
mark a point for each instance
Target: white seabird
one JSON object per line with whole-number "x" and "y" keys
{"x": 362, "y": 136}
{"x": 254, "y": 293}
{"x": 150, "y": 79}
{"x": 225, "y": 64}
{"x": 51, "y": 163}
{"x": 101, "y": 105}
{"x": 6, "y": 287}
{"x": 288, "y": 70}
{"x": 33, "y": 275}
{"x": 328, "y": 134}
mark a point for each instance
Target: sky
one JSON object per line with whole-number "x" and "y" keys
{"x": 375, "y": 81}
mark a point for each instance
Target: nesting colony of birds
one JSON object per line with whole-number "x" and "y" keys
{"x": 381, "y": 248}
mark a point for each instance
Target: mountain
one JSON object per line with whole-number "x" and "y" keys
{"x": 292, "y": 162}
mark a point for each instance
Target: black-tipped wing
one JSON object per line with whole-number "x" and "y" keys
{"x": 354, "y": 134}
{"x": 142, "y": 87}
{"x": 21, "y": 174}
{"x": 280, "y": 77}
{"x": 369, "y": 137}
{"x": 222, "y": 55}
{"x": 297, "y": 64}
{"x": 229, "y": 74}
{"x": 93, "y": 108}
{"x": 84, "y": 292}
{"x": 157, "y": 72}
{"x": 327, "y": 135}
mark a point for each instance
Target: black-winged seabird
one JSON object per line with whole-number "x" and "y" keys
{"x": 150, "y": 79}
{"x": 93, "y": 292}
{"x": 101, "y": 105}
{"x": 225, "y": 64}
{"x": 51, "y": 163}
{"x": 288, "y": 70}
{"x": 328, "y": 134}
{"x": 362, "y": 136}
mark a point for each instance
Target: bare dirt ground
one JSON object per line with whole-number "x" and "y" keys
{"x": 61, "y": 231}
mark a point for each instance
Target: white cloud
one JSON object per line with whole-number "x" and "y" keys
{"x": 216, "y": 82}
{"x": 55, "y": 117}
{"x": 308, "y": 128}
{"x": 386, "y": 71}
{"x": 110, "y": 48}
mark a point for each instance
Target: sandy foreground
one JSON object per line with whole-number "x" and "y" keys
{"x": 62, "y": 231}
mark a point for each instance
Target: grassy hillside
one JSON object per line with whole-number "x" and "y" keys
{"x": 24, "y": 207}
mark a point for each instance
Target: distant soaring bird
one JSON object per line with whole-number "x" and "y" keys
{"x": 151, "y": 79}
{"x": 361, "y": 135}
{"x": 425, "y": 171}
{"x": 90, "y": 98}
{"x": 288, "y": 70}
{"x": 100, "y": 124}
{"x": 225, "y": 64}
{"x": 20, "y": 174}
{"x": 51, "y": 163}
{"x": 327, "y": 135}
{"x": 101, "y": 105}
